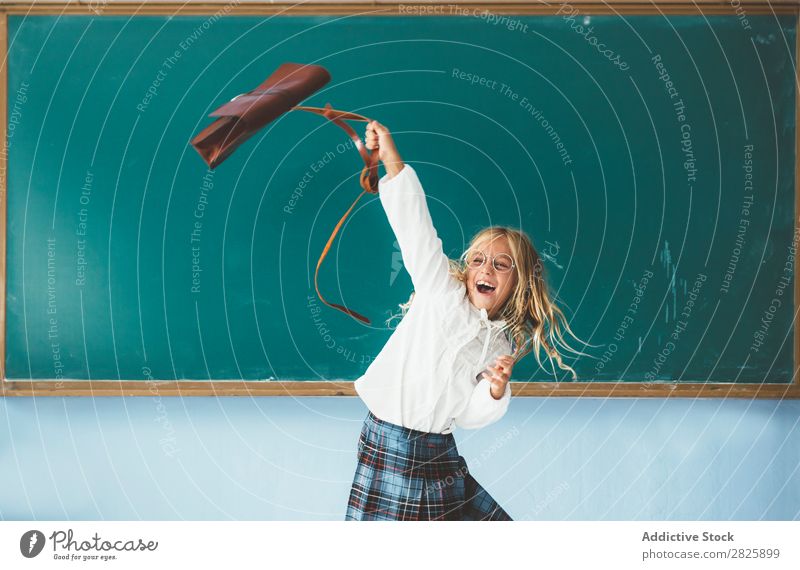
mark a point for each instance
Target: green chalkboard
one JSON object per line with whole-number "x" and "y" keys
{"x": 650, "y": 158}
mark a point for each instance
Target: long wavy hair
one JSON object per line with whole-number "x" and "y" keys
{"x": 534, "y": 322}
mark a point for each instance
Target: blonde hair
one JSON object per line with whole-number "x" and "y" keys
{"x": 534, "y": 321}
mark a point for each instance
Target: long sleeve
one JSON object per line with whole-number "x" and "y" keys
{"x": 406, "y": 208}
{"x": 483, "y": 409}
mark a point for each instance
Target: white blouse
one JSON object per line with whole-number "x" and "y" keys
{"x": 426, "y": 377}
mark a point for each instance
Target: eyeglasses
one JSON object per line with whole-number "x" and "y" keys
{"x": 502, "y": 262}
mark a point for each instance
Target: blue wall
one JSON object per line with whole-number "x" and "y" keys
{"x": 282, "y": 458}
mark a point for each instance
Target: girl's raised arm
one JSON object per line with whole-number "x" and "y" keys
{"x": 406, "y": 207}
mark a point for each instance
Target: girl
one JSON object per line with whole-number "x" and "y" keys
{"x": 449, "y": 360}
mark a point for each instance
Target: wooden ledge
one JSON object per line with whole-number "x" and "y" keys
{"x": 157, "y": 388}
{"x": 246, "y": 7}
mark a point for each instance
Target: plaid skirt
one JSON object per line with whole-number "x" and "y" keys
{"x": 405, "y": 474}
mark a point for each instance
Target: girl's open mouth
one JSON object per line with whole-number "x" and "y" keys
{"x": 484, "y": 288}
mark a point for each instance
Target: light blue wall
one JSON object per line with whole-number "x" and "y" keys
{"x": 283, "y": 458}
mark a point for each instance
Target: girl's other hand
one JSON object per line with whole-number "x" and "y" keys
{"x": 500, "y": 374}
{"x": 378, "y": 137}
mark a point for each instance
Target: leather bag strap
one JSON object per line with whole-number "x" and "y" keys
{"x": 368, "y": 181}
{"x": 369, "y": 174}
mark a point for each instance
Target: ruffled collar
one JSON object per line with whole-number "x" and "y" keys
{"x": 483, "y": 314}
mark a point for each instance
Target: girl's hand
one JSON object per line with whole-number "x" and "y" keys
{"x": 378, "y": 136}
{"x": 500, "y": 374}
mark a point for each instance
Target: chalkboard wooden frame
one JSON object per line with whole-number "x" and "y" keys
{"x": 345, "y": 388}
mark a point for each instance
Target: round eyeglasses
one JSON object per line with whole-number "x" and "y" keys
{"x": 502, "y": 262}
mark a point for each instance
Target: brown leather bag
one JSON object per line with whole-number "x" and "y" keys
{"x": 245, "y": 114}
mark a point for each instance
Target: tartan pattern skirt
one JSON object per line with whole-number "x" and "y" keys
{"x": 405, "y": 474}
